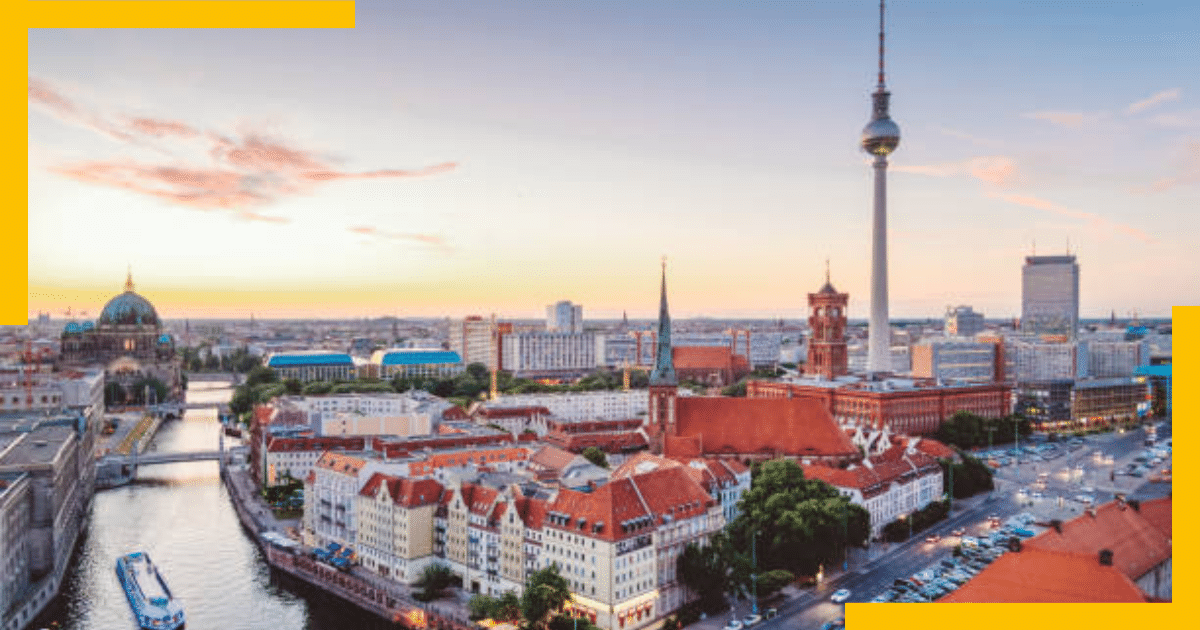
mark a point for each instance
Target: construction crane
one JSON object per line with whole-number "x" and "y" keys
{"x": 30, "y": 357}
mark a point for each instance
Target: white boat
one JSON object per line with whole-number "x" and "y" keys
{"x": 151, "y": 600}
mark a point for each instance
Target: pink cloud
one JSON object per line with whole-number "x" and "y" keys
{"x": 160, "y": 128}
{"x": 1189, "y": 171}
{"x": 1071, "y": 120}
{"x": 1054, "y": 208}
{"x": 997, "y": 170}
{"x": 250, "y": 171}
{"x": 426, "y": 239}
{"x": 1155, "y": 99}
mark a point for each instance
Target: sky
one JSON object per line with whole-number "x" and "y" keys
{"x": 444, "y": 159}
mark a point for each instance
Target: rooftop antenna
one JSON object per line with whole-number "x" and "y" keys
{"x": 826, "y": 270}
{"x": 881, "y": 88}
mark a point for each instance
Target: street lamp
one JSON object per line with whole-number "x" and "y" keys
{"x": 754, "y": 574}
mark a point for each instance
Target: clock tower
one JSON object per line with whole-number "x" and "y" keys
{"x": 827, "y": 344}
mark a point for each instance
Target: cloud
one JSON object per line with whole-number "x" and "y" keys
{"x": 1155, "y": 99}
{"x": 1189, "y": 171}
{"x": 160, "y": 128}
{"x": 1188, "y": 119}
{"x": 997, "y": 170}
{"x": 436, "y": 169}
{"x": 1071, "y": 120}
{"x": 239, "y": 173}
{"x": 962, "y": 135}
{"x": 427, "y": 239}
{"x": 1054, "y": 208}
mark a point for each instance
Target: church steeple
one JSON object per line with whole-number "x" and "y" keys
{"x": 664, "y": 367}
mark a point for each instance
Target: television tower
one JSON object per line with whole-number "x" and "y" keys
{"x": 880, "y": 137}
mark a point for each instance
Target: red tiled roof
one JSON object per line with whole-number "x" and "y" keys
{"x": 612, "y": 505}
{"x": 511, "y": 412}
{"x": 935, "y": 449}
{"x": 607, "y": 442}
{"x": 630, "y": 467}
{"x": 1137, "y": 545}
{"x": 478, "y": 499}
{"x": 1041, "y": 576}
{"x": 1157, "y": 512}
{"x": 405, "y": 492}
{"x": 551, "y": 458}
{"x": 702, "y": 357}
{"x": 672, "y": 492}
{"x": 532, "y": 511}
{"x": 791, "y": 426}
{"x": 454, "y": 412}
{"x": 340, "y": 463}
{"x": 498, "y": 511}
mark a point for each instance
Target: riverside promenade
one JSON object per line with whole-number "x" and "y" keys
{"x": 388, "y": 599}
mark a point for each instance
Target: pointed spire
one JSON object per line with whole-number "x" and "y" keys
{"x": 664, "y": 367}
{"x": 129, "y": 279}
{"x": 881, "y": 87}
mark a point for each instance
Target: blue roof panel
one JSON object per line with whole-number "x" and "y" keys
{"x": 1154, "y": 370}
{"x": 421, "y": 357}
{"x": 298, "y": 360}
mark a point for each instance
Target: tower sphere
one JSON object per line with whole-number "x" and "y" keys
{"x": 881, "y": 136}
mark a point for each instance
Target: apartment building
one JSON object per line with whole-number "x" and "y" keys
{"x": 395, "y": 525}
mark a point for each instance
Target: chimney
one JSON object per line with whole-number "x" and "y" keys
{"x": 1057, "y": 525}
{"x": 1106, "y": 557}
{"x": 1135, "y": 504}
{"x": 1014, "y": 544}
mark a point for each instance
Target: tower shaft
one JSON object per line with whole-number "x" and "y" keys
{"x": 879, "y": 333}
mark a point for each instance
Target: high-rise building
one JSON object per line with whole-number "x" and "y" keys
{"x": 880, "y": 137}
{"x": 475, "y": 339}
{"x": 564, "y": 317}
{"x": 963, "y": 321}
{"x": 1050, "y": 296}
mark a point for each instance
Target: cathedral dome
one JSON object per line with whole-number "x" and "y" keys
{"x": 127, "y": 309}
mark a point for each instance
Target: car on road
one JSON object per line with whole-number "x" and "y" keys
{"x": 932, "y": 538}
{"x": 841, "y": 596}
{"x": 750, "y": 620}
{"x": 733, "y": 624}
{"x": 834, "y": 624}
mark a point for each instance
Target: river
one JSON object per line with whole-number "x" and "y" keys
{"x": 181, "y": 516}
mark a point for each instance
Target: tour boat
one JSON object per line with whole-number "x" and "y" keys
{"x": 151, "y": 600}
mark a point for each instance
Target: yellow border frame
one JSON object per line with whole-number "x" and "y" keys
{"x": 340, "y": 14}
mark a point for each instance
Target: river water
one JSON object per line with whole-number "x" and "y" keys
{"x": 181, "y": 516}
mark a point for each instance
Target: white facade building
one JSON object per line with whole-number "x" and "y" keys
{"x": 533, "y": 353}
{"x": 603, "y": 405}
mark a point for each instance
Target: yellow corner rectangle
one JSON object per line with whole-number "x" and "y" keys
{"x": 190, "y": 14}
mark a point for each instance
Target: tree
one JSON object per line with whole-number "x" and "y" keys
{"x": 596, "y": 456}
{"x": 705, "y": 570}
{"x": 772, "y": 582}
{"x": 114, "y": 394}
{"x": 156, "y": 388}
{"x": 801, "y": 523}
{"x": 293, "y": 386}
{"x": 545, "y": 592}
{"x": 261, "y": 374}
{"x": 738, "y": 389}
{"x": 434, "y": 579}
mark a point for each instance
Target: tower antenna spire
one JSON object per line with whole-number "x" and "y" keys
{"x": 826, "y": 270}
{"x": 129, "y": 278}
{"x": 881, "y": 45}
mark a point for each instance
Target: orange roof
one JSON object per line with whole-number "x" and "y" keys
{"x": 631, "y": 465}
{"x": 702, "y": 357}
{"x": 1043, "y": 576}
{"x": 340, "y": 463}
{"x": 1157, "y": 512}
{"x": 478, "y": 499}
{"x": 611, "y": 512}
{"x": 454, "y": 412}
{"x": 405, "y": 492}
{"x": 934, "y": 448}
{"x": 673, "y": 493}
{"x": 1137, "y": 545}
{"x": 790, "y": 426}
{"x": 551, "y": 458}
{"x": 532, "y": 511}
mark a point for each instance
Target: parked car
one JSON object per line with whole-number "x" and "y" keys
{"x": 958, "y": 532}
{"x": 733, "y": 624}
{"x": 841, "y": 596}
{"x": 933, "y": 538}
{"x": 750, "y": 620}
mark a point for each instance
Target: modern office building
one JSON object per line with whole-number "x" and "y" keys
{"x": 564, "y": 317}
{"x": 477, "y": 340}
{"x": 955, "y": 359}
{"x": 963, "y": 321}
{"x": 1050, "y": 296}
{"x": 419, "y": 363}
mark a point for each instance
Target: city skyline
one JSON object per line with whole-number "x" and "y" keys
{"x": 453, "y": 160}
